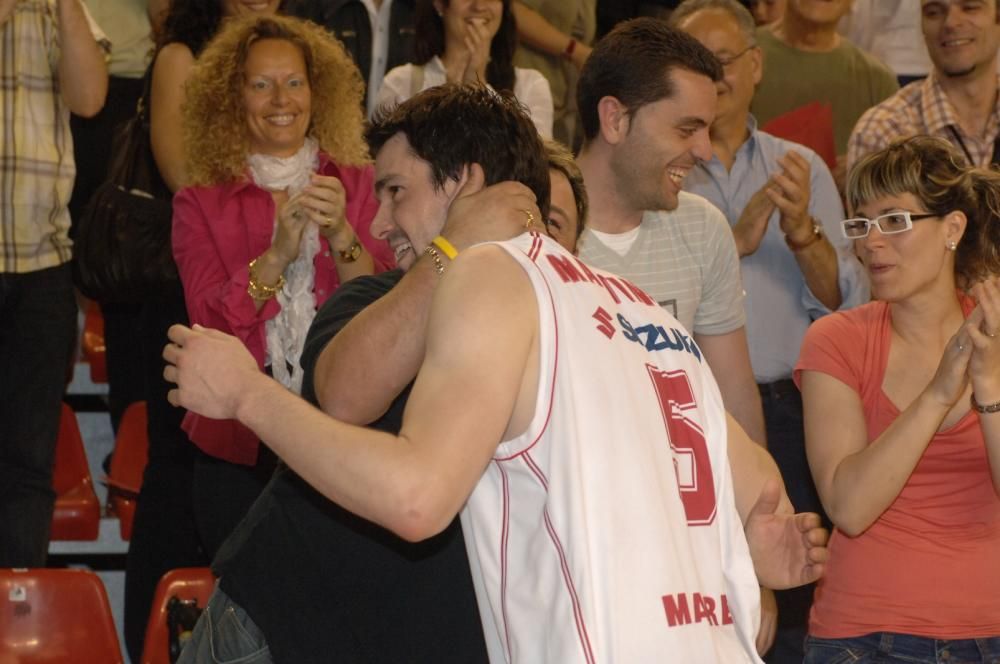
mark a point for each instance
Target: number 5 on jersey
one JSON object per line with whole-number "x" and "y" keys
{"x": 687, "y": 443}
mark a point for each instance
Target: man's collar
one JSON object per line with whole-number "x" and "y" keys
{"x": 936, "y": 108}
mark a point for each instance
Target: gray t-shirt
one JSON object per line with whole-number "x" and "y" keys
{"x": 686, "y": 260}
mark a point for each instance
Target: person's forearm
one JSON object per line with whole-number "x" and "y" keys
{"x": 535, "y": 31}
{"x": 819, "y": 266}
{"x": 83, "y": 73}
{"x": 866, "y": 483}
{"x": 990, "y": 423}
{"x": 368, "y": 363}
{"x": 729, "y": 358}
{"x": 368, "y": 472}
{"x": 752, "y": 466}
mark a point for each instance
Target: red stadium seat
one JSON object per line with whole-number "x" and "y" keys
{"x": 77, "y": 512}
{"x": 56, "y": 616}
{"x": 187, "y": 583}
{"x": 127, "y": 465}
{"x": 92, "y": 346}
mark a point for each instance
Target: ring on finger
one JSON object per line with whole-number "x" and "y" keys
{"x": 529, "y": 218}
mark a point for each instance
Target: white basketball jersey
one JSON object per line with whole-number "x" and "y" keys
{"x": 608, "y": 531}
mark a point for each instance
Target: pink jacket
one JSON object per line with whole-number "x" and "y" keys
{"x": 217, "y": 231}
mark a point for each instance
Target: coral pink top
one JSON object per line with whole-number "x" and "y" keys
{"x": 217, "y": 231}
{"x": 930, "y": 565}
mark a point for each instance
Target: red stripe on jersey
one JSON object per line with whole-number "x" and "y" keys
{"x": 504, "y": 539}
{"x": 536, "y": 470}
{"x": 536, "y": 246}
{"x": 555, "y": 371}
{"x": 581, "y": 626}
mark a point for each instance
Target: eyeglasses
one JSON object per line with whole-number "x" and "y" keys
{"x": 893, "y": 222}
{"x": 727, "y": 60}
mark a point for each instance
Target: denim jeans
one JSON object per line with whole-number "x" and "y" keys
{"x": 892, "y": 648}
{"x": 225, "y": 634}
{"x": 37, "y": 336}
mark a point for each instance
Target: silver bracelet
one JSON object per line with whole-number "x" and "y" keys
{"x": 983, "y": 408}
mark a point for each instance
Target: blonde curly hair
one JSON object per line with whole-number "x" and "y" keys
{"x": 216, "y": 136}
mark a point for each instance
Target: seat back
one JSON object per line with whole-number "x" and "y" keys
{"x": 56, "y": 616}
{"x": 77, "y": 513}
{"x": 128, "y": 464}
{"x": 186, "y": 583}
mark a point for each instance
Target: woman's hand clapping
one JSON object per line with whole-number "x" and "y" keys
{"x": 322, "y": 203}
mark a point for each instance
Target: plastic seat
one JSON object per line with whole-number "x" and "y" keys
{"x": 186, "y": 583}
{"x": 127, "y": 466}
{"x": 92, "y": 345}
{"x": 77, "y": 514}
{"x": 56, "y": 616}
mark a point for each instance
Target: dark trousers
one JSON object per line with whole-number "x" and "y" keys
{"x": 782, "y": 404}
{"x": 164, "y": 535}
{"x": 94, "y": 142}
{"x": 37, "y": 338}
{"x": 189, "y": 502}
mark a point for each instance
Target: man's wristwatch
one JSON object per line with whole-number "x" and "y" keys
{"x": 817, "y": 234}
{"x": 352, "y": 253}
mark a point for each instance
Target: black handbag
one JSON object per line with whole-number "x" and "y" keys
{"x": 122, "y": 250}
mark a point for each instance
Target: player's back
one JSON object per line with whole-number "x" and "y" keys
{"x": 608, "y": 531}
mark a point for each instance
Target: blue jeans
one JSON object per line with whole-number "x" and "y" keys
{"x": 225, "y": 634}
{"x": 892, "y": 648}
{"x": 37, "y": 336}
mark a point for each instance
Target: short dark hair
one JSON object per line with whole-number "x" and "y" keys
{"x": 429, "y": 29}
{"x": 453, "y": 125}
{"x": 633, "y": 63}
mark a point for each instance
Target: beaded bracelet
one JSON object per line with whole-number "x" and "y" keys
{"x": 436, "y": 257}
{"x": 259, "y": 291}
{"x": 984, "y": 408}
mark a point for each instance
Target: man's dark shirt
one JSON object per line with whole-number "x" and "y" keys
{"x": 327, "y": 586}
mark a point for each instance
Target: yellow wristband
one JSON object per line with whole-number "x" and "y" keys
{"x": 447, "y": 248}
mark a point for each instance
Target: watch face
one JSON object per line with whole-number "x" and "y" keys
{"x": 352, "y": 253}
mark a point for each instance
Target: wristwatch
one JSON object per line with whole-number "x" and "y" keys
{"x": 817, "y": 234}
{"x": 352, "y": 253}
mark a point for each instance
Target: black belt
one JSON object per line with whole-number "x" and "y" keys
{"x": 778, "y": 389}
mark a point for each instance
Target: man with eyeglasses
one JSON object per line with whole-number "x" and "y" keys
{"x": 958, "y": 101}
{"x": 808, "y": 61}
{"x": 782, "y": 204}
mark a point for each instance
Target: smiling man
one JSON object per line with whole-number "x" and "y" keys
{"x": 783, "y": 206}
{"x": 647, "y": 98}
{"x": 958, "y": 101}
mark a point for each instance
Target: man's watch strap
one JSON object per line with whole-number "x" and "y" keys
{"x": 817, "y": 235}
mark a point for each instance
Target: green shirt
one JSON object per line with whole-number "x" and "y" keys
{"x": 846, "y": 77}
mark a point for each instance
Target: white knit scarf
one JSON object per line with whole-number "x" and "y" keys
{"x": 286, "y": 332}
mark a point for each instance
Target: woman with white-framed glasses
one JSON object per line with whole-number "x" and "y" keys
{"x": 902, "y": 417}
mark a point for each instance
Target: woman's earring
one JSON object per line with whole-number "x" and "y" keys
{"x": 952, "y": 245}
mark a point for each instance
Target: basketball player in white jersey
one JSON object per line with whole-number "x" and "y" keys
{"x": 570, "y": 420}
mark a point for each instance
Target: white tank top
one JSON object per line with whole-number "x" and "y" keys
{"x": 608, "y": 531}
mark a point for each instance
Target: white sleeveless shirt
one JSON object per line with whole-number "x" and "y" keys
{"x": 608, "y": 531}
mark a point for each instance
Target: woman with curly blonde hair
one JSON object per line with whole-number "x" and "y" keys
{"x": 276, "y": 216}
